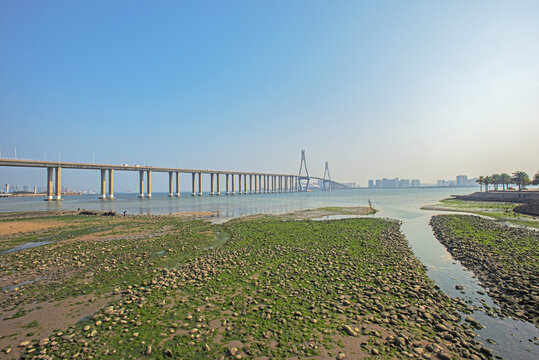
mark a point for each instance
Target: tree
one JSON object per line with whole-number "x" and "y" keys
{"x": 487, "y": 181}
{"x": 496, "y": 180}
{"x": 521, "y": 178}
{"x": 506, "y": 180}
{"x": 536, "y": 179}
{"x": 480, "y": 180}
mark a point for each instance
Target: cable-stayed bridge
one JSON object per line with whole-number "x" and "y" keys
{"x": 236, "y": 182}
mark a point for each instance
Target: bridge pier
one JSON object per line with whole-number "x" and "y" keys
{"x": 177, "y": 184}
{"x": 103, "y": 184}
{"x": 239, "y": 184}
{"x": 141, "y": 184}
{"x": 111, "y": 184}
{"x": 211, "y": 184}
{"x": 218, "y": 183}
{"x": 233, "y": 192}
{"x": 149, "y": 184}
{"x": 170, "y": 184}
{"x": 58, "y": 183}
{"x": 227, "y": 184}
{"x": 49, "y": 183}
{"x": 193, "y": 192}
{"x": 199, "y": 184}
{"x": 245, "y": 183}
{"x": 250, "y": 183}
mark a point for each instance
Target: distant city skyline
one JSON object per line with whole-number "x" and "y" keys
{"x": 422, "y": 89}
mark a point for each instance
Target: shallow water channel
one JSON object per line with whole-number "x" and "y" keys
{"x": 513, "y": 339}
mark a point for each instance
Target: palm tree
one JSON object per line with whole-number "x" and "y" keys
{"x": 496, "y": 180}
{"x": 506, "y": 180}
{"x": 536, "y": 179}
{"x": 487, "y": 180}
{"x": 521, "y": 178}
{"x": 480, "y": 180}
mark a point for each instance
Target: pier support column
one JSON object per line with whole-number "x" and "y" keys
{"x": 250, "y": 183}
{"x": 274, "y": 183}
{"x": 218, "y": 184}
{"x": 233, "y": 192}
{"x": 149, "y": 184}
{"x": 256, "y": 184}
{"x": 227, "y": 183}
{"x": 141, "y": 181}
{"x": 58, "y": 183}
{"x": 280, "y": 184}
{"x": 177, "y": 184}
{"x": 111, "y": 184}
{"x": 286, "y": 184}
{"x": 170, "y": 184}
{"x": 245, "y": 183}
{"x": 239, "y": 184}
{"x": 259, "y": 184}
{"x": 211, "y": 184}
{"x": 199, "y": 184}
{"x": 103, "y": 183}
{"x": 193, "y": 193}
{"x": 49, "y": 183}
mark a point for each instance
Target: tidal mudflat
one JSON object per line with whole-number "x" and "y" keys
{"x": 503, "y": 212}
{"x": 261, "y": 287}
{"x": 505, "y": 259}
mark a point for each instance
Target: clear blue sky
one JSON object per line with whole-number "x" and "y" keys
{"x": 415, "y": 89}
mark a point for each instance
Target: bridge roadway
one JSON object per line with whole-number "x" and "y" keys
{"x": 263, "y": 182}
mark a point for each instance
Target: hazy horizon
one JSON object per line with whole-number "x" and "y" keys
{"x": 417, "y": 89}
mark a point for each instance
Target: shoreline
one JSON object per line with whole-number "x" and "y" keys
{"x": 266, "y": 275}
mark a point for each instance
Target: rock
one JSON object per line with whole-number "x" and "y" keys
{"x": 109, "y": 310}
{"x": 348, "y": 329}
{"x": 24, "y": 343}
{"x": 43, "y": 341}
{"x": 233, "y": 351}
{"x": 375, "y": 351}
{"x": 341, "y": 356}
{"x": 459, "y": 287}
{"x": 149, "y": 350}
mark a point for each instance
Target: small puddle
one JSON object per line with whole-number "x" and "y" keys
{"x": 220, "y": 238}
{"x": 21, "y": 284}
{"x": 26, "y": 246}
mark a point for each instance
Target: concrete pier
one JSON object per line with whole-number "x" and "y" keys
{"x": 245, "y": 183}
{"x": 111, "y": 184}
{"x": 199, "y": 184}
{"x": 239, "y": 184}
{"x": 193, "y": 192}
{"x": 227, "y": 185}
{"x": 103, "y": 184}
{"x": 233, "y": 192}
{"x": 211, "y": 185}
{"x": 170, "y": 183}
{"x": 49, "y": 183}
{"x": 141, "y": 180}
{"x": 58, "y": 183}
{"x": 149, "y": 184}
{"x": 251, "y": 184}
{"x": 218, "y": 184}
{"x": 265, "y": 190}
{"x": 177, "y": 184}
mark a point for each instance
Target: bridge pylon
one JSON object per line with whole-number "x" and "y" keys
{"x": 303, "y": 180}
{"x": 327, "y": 183}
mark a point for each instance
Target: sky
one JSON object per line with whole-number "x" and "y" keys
{"x": 409, "y": 89}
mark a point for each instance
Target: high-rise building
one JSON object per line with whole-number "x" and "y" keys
{"x": 404, "y": 183}
{"x": 371, "y": 183}
{"x": 415, "y": 183}
{"x": 462, "y": 180}
{"x": 379, "y": 183}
